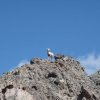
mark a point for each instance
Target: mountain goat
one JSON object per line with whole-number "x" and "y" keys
{"x": 50, "y": 55}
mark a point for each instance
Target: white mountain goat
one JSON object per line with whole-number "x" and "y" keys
{"x": 50, "y": 55}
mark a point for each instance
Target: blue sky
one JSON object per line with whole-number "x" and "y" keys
{"x": 70, "y": 27}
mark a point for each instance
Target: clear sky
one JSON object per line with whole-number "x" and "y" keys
{"x": 70, "y": 27}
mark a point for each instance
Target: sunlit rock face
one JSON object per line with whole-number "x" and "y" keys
{"x": 63, "y": 79}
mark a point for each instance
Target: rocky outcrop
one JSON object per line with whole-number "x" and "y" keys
{"x": 96, "y": 79}
{"x": 63, "y": 79}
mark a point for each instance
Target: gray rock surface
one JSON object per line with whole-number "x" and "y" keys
{"x": 63, "y": 79}
{"x": 96, "y": 79}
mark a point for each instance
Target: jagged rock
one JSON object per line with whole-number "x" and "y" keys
{"x": 35, "y": 61}
{"x": 96, "y": 79}
{"x": 59, "y": 56}
{"x": 63, "y": 79}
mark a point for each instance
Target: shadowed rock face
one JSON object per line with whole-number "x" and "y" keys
{"x": 63, "y": 79}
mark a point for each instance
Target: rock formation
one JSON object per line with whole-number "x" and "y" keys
{"x": 63, "y": 79}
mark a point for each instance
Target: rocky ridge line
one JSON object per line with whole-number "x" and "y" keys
{"x": 63, "y": 79}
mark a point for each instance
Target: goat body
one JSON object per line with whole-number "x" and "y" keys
{"x": 50, "y": 55}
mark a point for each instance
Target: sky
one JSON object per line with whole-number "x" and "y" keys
{"x": 69, "y": 27}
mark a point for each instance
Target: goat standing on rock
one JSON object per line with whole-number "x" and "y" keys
{"x": 50, "y": 55}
